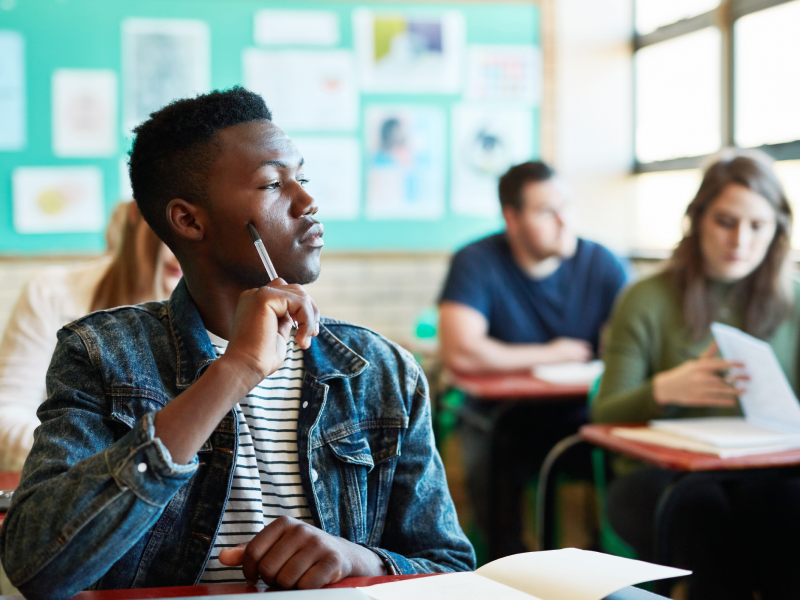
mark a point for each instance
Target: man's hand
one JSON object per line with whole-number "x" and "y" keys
{"x": 699, "y": 383}
{"x": 569, "y": 350}
{"x": 289, "y": 553}
{"x": 263, "y": 324}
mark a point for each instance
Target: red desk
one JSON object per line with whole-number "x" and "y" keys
{"x": 514, "y": 386}
{"x": 217, "y": 589}
{"x": 9, "y": 480}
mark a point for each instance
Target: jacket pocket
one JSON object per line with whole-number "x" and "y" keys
{"x": 129, "y": 405}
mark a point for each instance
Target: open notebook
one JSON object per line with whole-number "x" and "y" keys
{"x": 772, "y": 413}
{"x": 570, "y": 373}
{"x": 568, "y": 574}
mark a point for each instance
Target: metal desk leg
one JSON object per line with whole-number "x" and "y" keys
{"x": 546, "y": 493}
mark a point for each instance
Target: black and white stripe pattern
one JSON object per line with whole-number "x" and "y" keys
{"x": 266, "y": 482}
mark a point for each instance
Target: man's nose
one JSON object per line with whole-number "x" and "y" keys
{"x": 303, "y": 203}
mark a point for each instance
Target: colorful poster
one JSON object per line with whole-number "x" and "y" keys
{"x": 58, "y": 199}
{"x": 486, "y": 141}
{"x": 406, "y": 162}
{"x": 504, "y": 74}
{"x": 305, "y": 90}
{"x": 409, "y": 53}
{"x": 162, "y": 60}
{"x": 307, "y": 27}
{"x": 84, "y": 112}
{"x": 12, "y": 91}
{"x": 333, "y": 170}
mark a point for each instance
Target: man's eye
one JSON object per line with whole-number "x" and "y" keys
{"x": 272, "y": 186}
{"x": 302, "y": 182}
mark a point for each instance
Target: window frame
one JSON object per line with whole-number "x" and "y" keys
{"x": 724, "y": 17}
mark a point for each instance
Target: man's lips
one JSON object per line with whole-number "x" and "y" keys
{"x": 313, "y": 237}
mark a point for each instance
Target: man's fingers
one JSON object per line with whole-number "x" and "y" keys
{"x": 232, "y": 557}
{"x": 259, "y": 546}
{"x": 711, "y": 351}
{"x": 326, "y": 571}
{"x": 720, "y": 364}
{"x": 295, "y": 566}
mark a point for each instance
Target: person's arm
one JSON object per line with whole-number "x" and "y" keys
{"x": 25, "y": 352}
{"x": 466, "y": 346}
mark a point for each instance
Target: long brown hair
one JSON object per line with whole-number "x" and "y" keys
{"x": 766, "y": 293}
{"x": 131, "y": 277}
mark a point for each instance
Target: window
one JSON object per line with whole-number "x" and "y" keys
{"x": 710, "y": 74}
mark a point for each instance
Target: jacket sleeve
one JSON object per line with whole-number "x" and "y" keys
{"x": 422, "y": 533}
{"x": 91, "y": 486}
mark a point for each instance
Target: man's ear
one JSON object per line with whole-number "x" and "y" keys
{"x": 185, "y": 219}
{"x": 511, "y": 217}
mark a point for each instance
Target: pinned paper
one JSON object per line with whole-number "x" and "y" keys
{"x": 333, "y": 169}
{"x": 307, "y": 27}
{"x": 12, "y": 91}
{"x": 58, "y": 199}
{"x": 84, "y": 112}
{"x": 505, "y": 74}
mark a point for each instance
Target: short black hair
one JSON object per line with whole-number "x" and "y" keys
{"x": 174, "y": 149}
{"x": 511, "y": 184}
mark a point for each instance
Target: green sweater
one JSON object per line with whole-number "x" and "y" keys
{"x": 648, "y": 336}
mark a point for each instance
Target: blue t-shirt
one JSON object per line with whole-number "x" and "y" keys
{"x": 574, "y": 301}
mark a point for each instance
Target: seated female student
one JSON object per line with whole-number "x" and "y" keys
{"x": 141, "y": 269}
{"x": 732, "y": 267}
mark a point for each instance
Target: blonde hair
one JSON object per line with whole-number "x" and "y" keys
{"x": 133, "y": 275}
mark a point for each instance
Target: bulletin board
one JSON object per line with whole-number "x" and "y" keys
{"x": 417, "y": 107}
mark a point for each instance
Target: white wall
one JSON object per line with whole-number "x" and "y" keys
{"x": 593, "y": 137}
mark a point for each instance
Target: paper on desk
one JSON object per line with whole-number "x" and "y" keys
{"x": 575, "y": 373}
{"x": 726, "y": 432}
{"x": 670, "y": 440}
{"x": 769, "y": 400}
{"x": 568, "y": 574}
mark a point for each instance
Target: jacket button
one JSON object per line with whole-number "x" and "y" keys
{"x": 141, "y": 467}
{"x": 305, "y": 403}
{"x": 314, "y": 475}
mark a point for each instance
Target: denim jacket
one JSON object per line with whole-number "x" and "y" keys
{"x": 101, "y": 505}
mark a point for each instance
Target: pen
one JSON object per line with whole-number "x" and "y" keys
{"x": 262, "y": 252}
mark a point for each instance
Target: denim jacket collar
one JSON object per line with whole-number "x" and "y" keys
{"x": 328, "y": 356}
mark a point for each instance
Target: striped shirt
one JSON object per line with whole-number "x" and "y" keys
{"x": 266, "y": 481}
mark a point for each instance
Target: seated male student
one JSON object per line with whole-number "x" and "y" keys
{"x": 203, "y": 439}
{"x": 534, "y": 294}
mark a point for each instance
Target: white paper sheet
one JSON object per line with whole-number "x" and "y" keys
{"x": 504, "y": 73}
{"x": 768, "y": 400}
{"x": 308, "y": 27}
{"x": 12, "y": 91}
{"x": 571, "y": 372}
{"x": 409, "y": 53}
{"x": 305, "y": 90}
{"x": 333, "y": 169}
{"x": 486, "y": 141}
{"x": 405, "y": 162}
{"x": 162, "y": 60}
{"x": 84, "y": 112}
{"x": 681, "y": 442}
{"x": 58, "y": 199}
{"x": 567, "y": 574}
{"x": 725, "y": 432}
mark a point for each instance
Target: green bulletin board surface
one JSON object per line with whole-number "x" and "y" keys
{"x": 86, "y": 34}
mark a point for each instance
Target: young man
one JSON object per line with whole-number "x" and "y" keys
{"x": 532, "y": 295}
{"x": 203, "y": 438}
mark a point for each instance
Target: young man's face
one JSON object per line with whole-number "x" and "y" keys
{"x": 258, "y": 177}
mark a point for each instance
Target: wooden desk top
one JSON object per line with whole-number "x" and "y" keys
{"x": 514, "y": 386}
{"x": 682, "y": 460}
{"x": 217, "y": 589}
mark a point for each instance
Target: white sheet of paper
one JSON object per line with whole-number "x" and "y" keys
{"x": 571, "y": 372}
{"x": 510, "y": 73}
{"x": 58, "y": 199}
{"x": 12, "y": 91}
{"x": 162, "y": 60}
{"x": 768, "y": 400}
{"x": 309, "y": 27}
{"x": 333, "y": 169}
{"x": 450, "y": 586}
{"x": 572, "y": 574}
{"x": 725, "y": 432}
{"x": 410, "y": 53}
{"x": 681, "y": 442}
{"x": 306, "y": 90}
{"x": 486, "y": 141}
{"x": 84, "y": 112}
